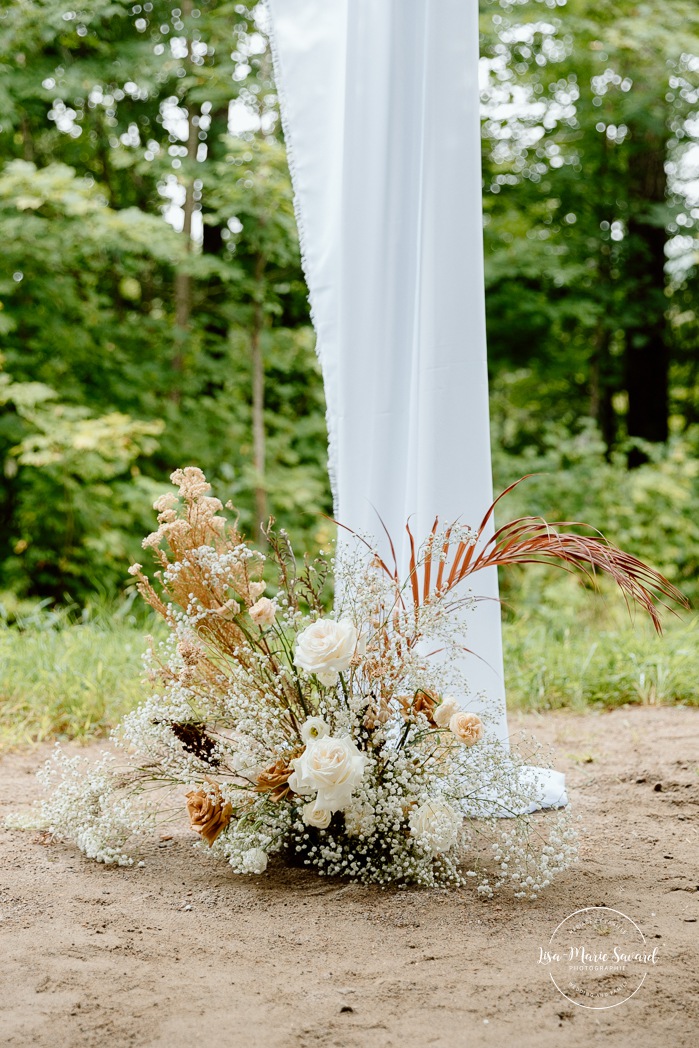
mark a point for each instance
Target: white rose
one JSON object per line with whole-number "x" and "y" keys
{"x": 263, "y": 612}
{"x": 467, "y": 727}
{"x": 314, "y": 728}
{"x": 318, "y": 817}
{"x": 445, "y": 711}
{"x": 436, "y": 824}
{"x": 254, "y": 861}
{"x": 325, "y": 648}
{"x": 332, "y": 767}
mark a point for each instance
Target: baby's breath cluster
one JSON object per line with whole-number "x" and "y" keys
{"x": 328, "y": 740}
{"x": 86, "y": 803}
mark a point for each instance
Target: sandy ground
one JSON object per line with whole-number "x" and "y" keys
{"x": 183, "y": 953}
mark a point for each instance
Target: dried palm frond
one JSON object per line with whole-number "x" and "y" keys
{"x": 530, "y": 540}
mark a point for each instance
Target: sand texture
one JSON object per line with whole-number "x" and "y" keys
{"x": 181, "y": 952}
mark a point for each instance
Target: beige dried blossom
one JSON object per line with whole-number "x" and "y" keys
{"x": 376, "y": 714}
{"x": 188, "y": 676}
{"x": 166, "y": 507}
{"x": 191, "y": 482}
{"x": 229, "y": 610}
{"x": 375, "y": 669}
{"x": 186, "y": 548}
{"x": 148, "y": 593}
{"x": 189, "y": 650}
{"x": 371, "y": 720}
{"x": 167, "y": 501}
{"x": 173, "y": 531}
{"x": 425, "y": 701}
{"x": 252, "y": 591}
{"x": 210, "y": 504}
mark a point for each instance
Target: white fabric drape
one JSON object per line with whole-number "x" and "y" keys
{"x": 380, "y": 106}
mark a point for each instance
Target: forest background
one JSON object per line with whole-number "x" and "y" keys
{"x": 153, "y": 313}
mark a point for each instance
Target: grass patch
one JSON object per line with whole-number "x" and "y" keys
{"x": 76, "y": 680}
{"x": 599, "y": 658}
{"x": 72, "y": 681}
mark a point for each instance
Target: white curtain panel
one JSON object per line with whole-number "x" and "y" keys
{"x": 380, "y": 106}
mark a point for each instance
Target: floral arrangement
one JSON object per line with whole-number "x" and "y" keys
{"x": 329, "y": 740}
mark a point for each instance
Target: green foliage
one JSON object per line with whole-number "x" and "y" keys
{"x": 593, "y": 657}
{"x": 73, "y": 491}
{"x": 555, "y": 661}
{"x": 589, "y": 131}
{"x": 127, "y": 345}
{"x": 652, "y": 511}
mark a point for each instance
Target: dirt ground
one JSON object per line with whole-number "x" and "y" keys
{"x": 181, "y": 952}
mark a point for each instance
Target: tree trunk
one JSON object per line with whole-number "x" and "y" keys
{"x": 213, "y": 243}
{"x": 28, "y": 152}
{"x": 601, "y": 385}
{"x": 183, "y": 279}
{"x": 215, "y": 151}
{"x": 258, "y": 401}
{"x": 647, "y": 356}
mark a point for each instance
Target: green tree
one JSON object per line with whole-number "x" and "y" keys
{"x": 587, "y": 107}
{"x": 153, "y": 271}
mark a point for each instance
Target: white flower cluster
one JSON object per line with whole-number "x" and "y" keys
{"x": 374, "y": 840}
{"x": 84, "y": 805}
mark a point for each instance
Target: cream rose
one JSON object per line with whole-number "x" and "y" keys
{"x": 318, "y": 817}
{"x": 256, "y": 589}
{"x": 330, "y": 767}
{"x": 445, "y": 711}
{"x": 467, "y": 727}
{"x": 436, "y": 825}
{"x": 325, "y": 648}
{"x": 263, "y": 612}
